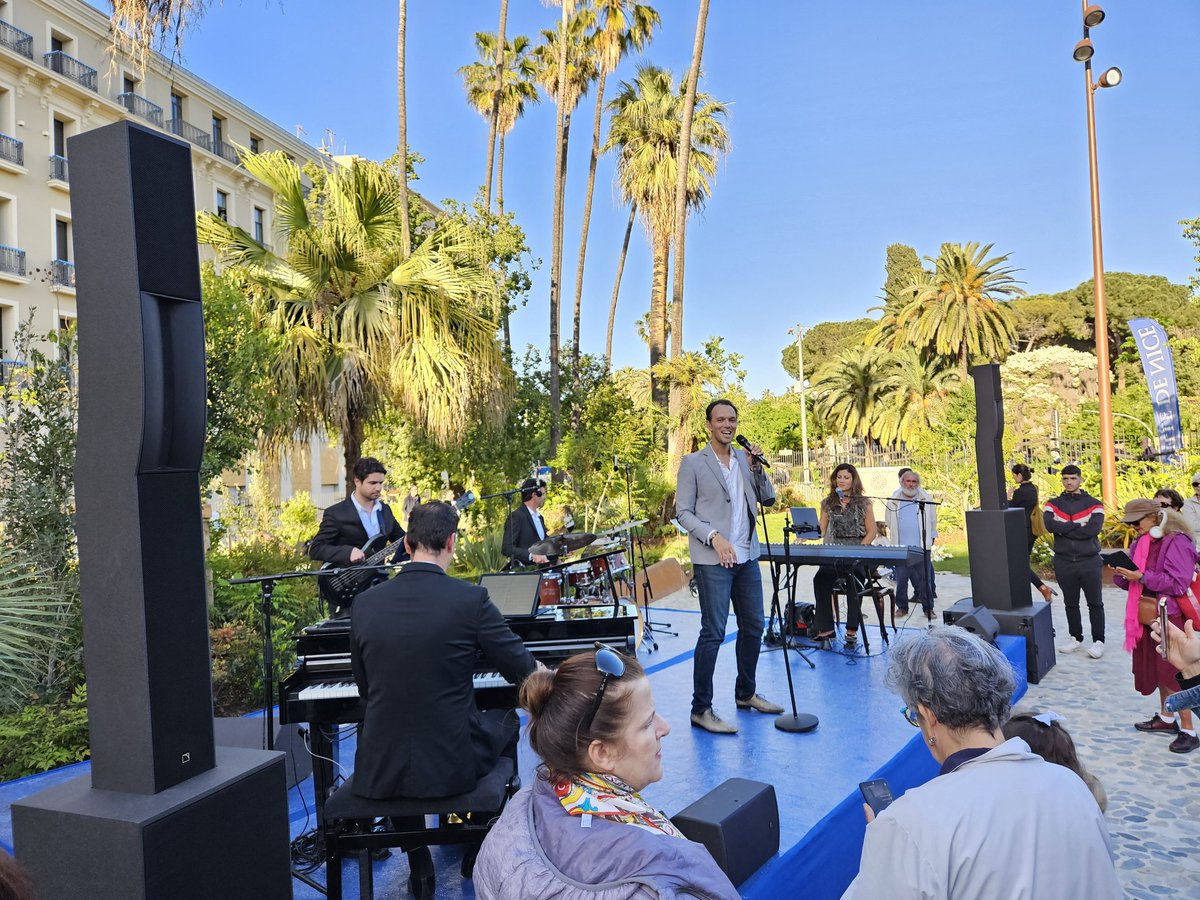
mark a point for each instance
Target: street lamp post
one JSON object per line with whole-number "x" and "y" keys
{"x": 798, "y": 331}
{"x": 1092, "y": 16}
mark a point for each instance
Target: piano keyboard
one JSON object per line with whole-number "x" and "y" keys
{"x": 348, "y": 690}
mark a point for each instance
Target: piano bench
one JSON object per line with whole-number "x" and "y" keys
{"x": 350, "y": 823}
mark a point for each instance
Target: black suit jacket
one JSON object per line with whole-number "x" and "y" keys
{"x": 342, "y": 530}
{"x": 413, "y": 644}
{"x": 520, "y": 534}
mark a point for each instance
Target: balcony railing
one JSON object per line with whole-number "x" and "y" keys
{"x": 58, "y": 168}
{"x": 16, "y": 39}
{"x": 12, "y": 261}
{"x": 62, "y": 273}
{"x": 189, "y": 132}
{"x": 225, "y": 151}
{"x": 12, "y": 150}
{"x": 141, "y": 107}
{"x": 70, "y": 67}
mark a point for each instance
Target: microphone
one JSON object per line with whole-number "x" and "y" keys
{"x": 745, "y": 445}
{"x": 840, "y": 493}
{"x": 616, "y": 462}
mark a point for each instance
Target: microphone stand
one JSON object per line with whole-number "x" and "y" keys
{"x": 796, "y": 722}
{"x": 508, "y": 495}
{"x": 926, "y": 553}
{"x": 787, "y": 639}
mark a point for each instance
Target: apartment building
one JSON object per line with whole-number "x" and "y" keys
{"x": 58, "y": 78}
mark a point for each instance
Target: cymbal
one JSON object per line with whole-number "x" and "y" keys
{"x": 626, "y": 526}
{"x": 562, "y": 544}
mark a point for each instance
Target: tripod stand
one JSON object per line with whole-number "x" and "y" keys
{"x": 636, "y": 555}
{"x": 786, "y": 633}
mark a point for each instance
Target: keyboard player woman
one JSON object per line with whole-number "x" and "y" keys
{"x": 847, "y": 517}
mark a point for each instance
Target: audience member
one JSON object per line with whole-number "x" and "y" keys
{"x": 1170, "y": 499}
{"x": 1183, "y": 652}
{"x": 1025, "y": 496}
{"x": 1165, "y": 556}
{"x": 911, "y": 518}
{"x": 583, "y": 822}
{"x": 1046, "y": 736}
{"x": 1075, "y": 518}
{"x": 1191, "y": 508}
{"x": 998, "y": 820}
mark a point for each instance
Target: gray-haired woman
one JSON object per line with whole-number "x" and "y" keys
{"x": 998, "y": 821}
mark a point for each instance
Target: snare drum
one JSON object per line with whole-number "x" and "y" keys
{"x": 550, "y": 589}
{"x": 599, "y": 565}
{"x": 578, "y": 575}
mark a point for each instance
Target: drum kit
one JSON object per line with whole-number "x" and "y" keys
{"x": 595, "y": 578}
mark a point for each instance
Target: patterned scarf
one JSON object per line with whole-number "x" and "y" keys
{"x": 608, "y": 797}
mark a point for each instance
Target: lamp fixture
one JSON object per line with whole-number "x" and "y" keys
{"x": 1083, "y": 51}
{"x": 1111, "y": 77}
{"x": 1092, "y": 16}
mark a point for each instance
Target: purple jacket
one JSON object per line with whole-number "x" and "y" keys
{"x": 1173, "y": 570}
{"x": 539, "y": 850}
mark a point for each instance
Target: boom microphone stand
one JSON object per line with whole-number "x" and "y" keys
{"x": 797, "y": 721}
{"x": 926, "y": 553}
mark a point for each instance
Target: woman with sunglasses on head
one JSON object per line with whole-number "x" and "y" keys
{"x": 583, "y": 823}
{"x": 1165, "y": 556}
{"x": 847, "y": 517}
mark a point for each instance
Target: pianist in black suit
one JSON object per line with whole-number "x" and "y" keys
{"x": 344, "y": 527}
{"x": 525, "y": 526}
{"x": 413, "y": 646}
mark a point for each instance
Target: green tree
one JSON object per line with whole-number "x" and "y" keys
{"x": 1048, "y": 318}
{"x": 917, "y": 390}
{"x": 823, "y": 342}
{"x": 644, "y": 131}
{"x": 1191, "y": 231}
{"x": 851, "y": 392}
{"x": 356, "y": 322}
{"x": 903, "y": 268}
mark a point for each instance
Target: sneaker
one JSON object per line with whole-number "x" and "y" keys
{"x": 761, "y": 703}
{"x": 710, "y": 721}
{"x": 1096, "y": 650}
{"x": 1185, "y": 743}
{"x": 1156, "y": 725}
{"x": 1070, "y": 645}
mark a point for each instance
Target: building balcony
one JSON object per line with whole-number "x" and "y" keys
{"x": 12, "y": 261}
{"x": 189, "y": 132}
{"x": 225, "y": 151}
{"x": 62, "y": 273}
{"x": 58, "y": 169}
{"x": 141, "y": 107}
{"x": 12, "y": 150}
{"x": 70, "y": 67}
{"x": 16, "y": 40}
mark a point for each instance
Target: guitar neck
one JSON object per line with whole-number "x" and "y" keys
{"x": 379, "y": 556}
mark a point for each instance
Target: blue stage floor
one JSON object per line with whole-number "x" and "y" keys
{"x": 862, "y": 735}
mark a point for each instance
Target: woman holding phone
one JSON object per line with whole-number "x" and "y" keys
{"x": 1165, "y": 557}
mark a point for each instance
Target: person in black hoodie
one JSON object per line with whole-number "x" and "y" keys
{"x": 1025, "y": 496}
{"x": 1075, "y": 518}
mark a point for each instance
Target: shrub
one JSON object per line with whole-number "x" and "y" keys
{"x": 43, "y": 737}
{"x": 236, "y": 668}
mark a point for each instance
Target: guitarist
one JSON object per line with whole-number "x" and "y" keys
{"x": 348, "y": 525}
{"x": 525, "y": 526}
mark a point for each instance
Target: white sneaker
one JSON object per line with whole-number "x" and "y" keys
{"x": 1070, "y": 645}
{"x": 1096, "y": 650}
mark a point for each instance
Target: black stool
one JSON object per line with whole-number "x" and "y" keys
{"x": 350, "y": 823}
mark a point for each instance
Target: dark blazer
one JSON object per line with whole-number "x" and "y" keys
{"x": 413, "y": 645}
{"x": 342, "y": 530}
{"x": 520, "y": 534}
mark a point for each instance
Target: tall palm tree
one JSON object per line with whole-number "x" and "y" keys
{"x": 850, "y": 392}
{"x": 494, "y": 116}
{"x": 621, "y": 26}
{"x": 917, "y": 389}
{"x": 960, "y": 314}
{"x": 644, "y": 131}
{"x": 568, "y": 68}
{"x": 612, "y": 306}
{"x": 697, "y": 379}
{"x": 518, "y": 88}
{"x": 358, "y": 323}
{"x": 675, "y": 438}
{"x": 402, "y": 131}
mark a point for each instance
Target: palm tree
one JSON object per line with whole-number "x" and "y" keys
{"x": 675, "y": 438}
{"x": 402, "y": 132}
{"x": 612, "y": 306}
{"x": 697, "y": 379}
{"x": 621, "y": 26}
{"x": 494, "y": 114}
{"x": 517, "y": 89}
{"x": 568, "y": 68}
{"x": 959, "y": 314}
{"x": 850, "y": 392}
{"x": 645, "y": 131}
{"x": 356, "y": 322}
{"x": 917, "y": 390}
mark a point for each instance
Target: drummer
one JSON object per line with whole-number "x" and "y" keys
{"x": 525, "y": 526}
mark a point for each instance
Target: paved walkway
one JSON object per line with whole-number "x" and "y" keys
{"x": 1153, "y": 795}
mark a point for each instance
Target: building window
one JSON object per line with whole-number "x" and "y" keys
{"x": 62, "y": 240}
{"x": 176, "y": 106}
{"x": 56, "y": 44}
{"x": 259, "y": 229}
{"x": 255, "y": 144}
{"x": 129, "y": 85}
{"x": 223, "y": 205}
{"x": 218, "y": 129}
{"x": 60, "y": 138}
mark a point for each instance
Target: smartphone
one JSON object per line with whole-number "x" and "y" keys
{"x": 1165, "y": 644}
{"x": 877, "y": 794}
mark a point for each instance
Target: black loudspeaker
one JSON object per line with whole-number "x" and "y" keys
{"x": 989, "y": 434}
{"x": 738, "y": 822}
{"x": 141, "y": 436}
{"x": 980, "y": 622}
{"x": 999, "y": 553}
{"x": 249, "y": 732}
{"x": 1031, "y": 622}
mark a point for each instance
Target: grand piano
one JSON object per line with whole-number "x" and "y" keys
{"x": 322, "y": 692}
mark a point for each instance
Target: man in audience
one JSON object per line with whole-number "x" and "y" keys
{"x": 1075, "y": 518}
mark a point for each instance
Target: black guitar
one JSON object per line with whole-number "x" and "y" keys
{"x": 341, "y": 589}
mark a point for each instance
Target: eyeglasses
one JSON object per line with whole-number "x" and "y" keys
{"x": 910, "y": 716}
{"x": 1196, "y": 484}
{"x": 608, "y": 662}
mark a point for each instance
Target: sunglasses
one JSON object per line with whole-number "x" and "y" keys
{"x": 1196, "y": 484}
{"x": 610, "y": 664}
{"x": 910, "y": 716}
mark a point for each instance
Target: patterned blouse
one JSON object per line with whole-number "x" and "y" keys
{"x": 846, "y": 526}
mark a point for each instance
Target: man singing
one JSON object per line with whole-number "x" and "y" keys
{"x": 715, "y": 501}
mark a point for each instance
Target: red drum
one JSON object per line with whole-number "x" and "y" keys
{"x": 550, "y": 589}
{"x": 578, "y": 575}
{"x": 599, "y": 568}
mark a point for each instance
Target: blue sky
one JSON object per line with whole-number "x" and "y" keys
{"x": 854, "y": 125}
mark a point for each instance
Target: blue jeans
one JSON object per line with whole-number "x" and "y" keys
{"x": 719, "y": 586}
{"x": 921, "y": 577}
